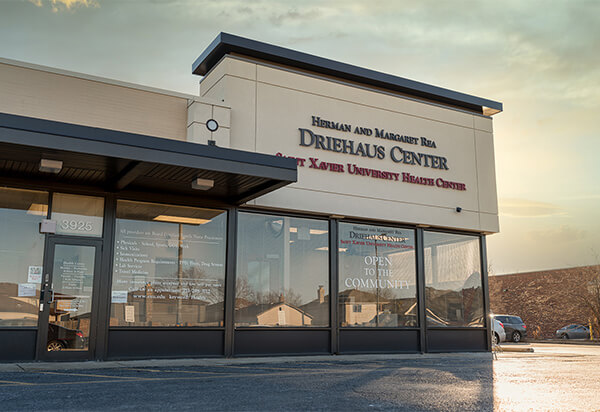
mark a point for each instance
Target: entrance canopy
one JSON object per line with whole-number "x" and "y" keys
{"x": 117, "y": 161}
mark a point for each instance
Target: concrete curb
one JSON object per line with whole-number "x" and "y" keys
{"x": 516, "y": 348}
{"x": 162, "y": 363}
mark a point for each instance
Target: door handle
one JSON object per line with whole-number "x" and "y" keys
{"x": 51, "y": 292}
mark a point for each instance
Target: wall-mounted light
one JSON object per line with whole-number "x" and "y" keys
{"x": 181, "y": 219}
{"x": 458, "y": 209}
{"x": 50, "y": 166}
{"x": 212, "y": 125}
{"x": 38, "y": 209}
{"x": 202, "y": 184}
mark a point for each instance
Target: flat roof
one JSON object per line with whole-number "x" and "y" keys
{"x": 226, "y": 43}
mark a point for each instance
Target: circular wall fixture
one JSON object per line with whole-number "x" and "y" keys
{"x": 212, "y": 125}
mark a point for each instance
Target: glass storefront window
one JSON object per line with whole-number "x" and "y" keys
{"x": 377, "y": 283}
{"x": 78, "y": 215}
{"x": 169, "y": 265}
{"x": 21, "y": 255}
{"x": 282, "y": 271}
{"x": 453, "y": 289}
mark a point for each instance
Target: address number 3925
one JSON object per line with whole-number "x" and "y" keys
{"x": 77, "y": 225}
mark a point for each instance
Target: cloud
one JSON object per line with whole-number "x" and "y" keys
{"x": 584, "y": 197}
{"x": 294, "y": 16}
{"x": 562, "y": 234}
{"x": 58, "y": 5}
{"x": 528, "y": 208}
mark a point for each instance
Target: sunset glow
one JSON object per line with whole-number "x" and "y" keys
{"x": 540, "y": 61}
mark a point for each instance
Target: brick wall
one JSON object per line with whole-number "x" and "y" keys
{"x": 547, "y": 300}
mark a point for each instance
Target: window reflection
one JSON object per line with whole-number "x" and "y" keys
{"x": 169, "y": 267}
{"x": 377, "y": 276}
{"x": 454, "y": 293}
{"x": 21, "y": 255}
{"x": 71, "y": 310}
{"x": 282, "y": 271}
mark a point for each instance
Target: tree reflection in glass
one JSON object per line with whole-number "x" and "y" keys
{"x": 282, "y": 272}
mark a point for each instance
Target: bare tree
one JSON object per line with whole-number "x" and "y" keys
{"x": 286, "y": 296}
{"x": 590, "y": 296}
{"x": 244, "y": 295}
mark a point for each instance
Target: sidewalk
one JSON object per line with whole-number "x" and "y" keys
{"x": 159, "y": 363}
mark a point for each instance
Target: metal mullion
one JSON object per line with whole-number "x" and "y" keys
{"x": 486, "y": 290}
{"x": 103, "y": 304}
{"x": 420, "y": 254}
{"x": 333, "y": 285}
{"x": 230, "y": 279}
{"x": 285, "y": 213}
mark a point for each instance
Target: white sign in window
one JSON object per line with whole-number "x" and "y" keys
{"x": 79, "y": 225}
{"x": 77, "y": 215}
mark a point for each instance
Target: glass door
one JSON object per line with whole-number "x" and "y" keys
{"x": 67, "y": 315}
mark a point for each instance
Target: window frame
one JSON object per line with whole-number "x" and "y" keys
{"x": 110, "y": 270}
{"x": 292, "y": 215}
{"x": 487, "y": 324}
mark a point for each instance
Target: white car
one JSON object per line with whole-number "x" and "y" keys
{"x": 498, "y": 334}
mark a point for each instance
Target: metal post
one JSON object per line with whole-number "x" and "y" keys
{"x": 230, "y": 271}
{"x": 179, "y": 273}
{"x": 486, "y": 292}
{"x": 105, "y": 285}
{"x": 376, "y": 286}
{"x": 420, "y": 254}
{"x": 333, "y": 285}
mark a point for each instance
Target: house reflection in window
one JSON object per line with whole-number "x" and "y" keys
{"x": 377, "y": 276}
{"x": 282, "y": 272}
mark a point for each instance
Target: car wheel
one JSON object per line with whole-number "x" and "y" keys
{"x": 516, "y": 337}
{"x": 55, "y": 345}
{"x": 495, "y": 339}
{"x": 565, "y": 336}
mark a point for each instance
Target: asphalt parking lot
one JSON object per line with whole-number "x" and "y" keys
{"x": 553, "y": 377}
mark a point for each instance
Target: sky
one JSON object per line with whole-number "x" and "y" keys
{"x": 541, "y": 59}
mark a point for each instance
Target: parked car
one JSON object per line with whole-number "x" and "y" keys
{"x": 573, "y": 332}
{"x": 515, "y": 328}
{"x": 60, "y": 338}
{"x": 499, "y": 335}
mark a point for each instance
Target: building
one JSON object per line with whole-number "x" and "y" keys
{"x": 295, "y": 205}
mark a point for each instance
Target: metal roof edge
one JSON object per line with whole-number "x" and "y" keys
{"x": 53, "y": 127}
{"x": 226, "y": 43}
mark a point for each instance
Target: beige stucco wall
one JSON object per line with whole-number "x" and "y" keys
{"x": 269, "y": 104}
{"x": 45, "y": 93}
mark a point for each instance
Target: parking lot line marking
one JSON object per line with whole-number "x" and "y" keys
{"x": 86, "y": 374}
{"x": 158, "y": 379}
{"x": 65, "y": 383}
{"x": 264, "y": 373}
{"x": 174, "y": 371}
{"x": 141, "y": 369}
{"x": 6, "y": 383}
